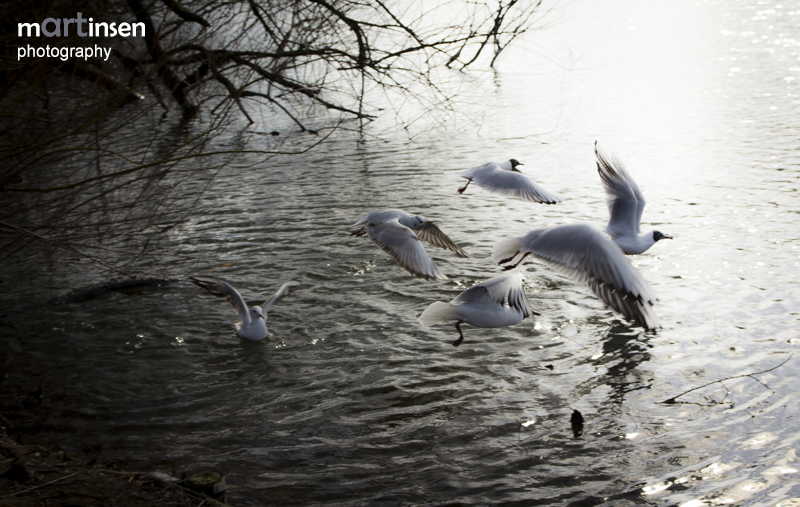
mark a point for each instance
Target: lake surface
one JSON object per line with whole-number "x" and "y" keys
{"x": 351, "y": 402}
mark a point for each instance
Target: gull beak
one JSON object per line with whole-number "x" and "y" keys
{"x": 517, "y": 170}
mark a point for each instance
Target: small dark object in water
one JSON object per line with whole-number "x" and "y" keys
{"x": 275, "y": 133}
{"x": 577, "y": 423}
{"x": 549, "y": 366}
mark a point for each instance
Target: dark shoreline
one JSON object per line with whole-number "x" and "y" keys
{"x": 45, "y": 475}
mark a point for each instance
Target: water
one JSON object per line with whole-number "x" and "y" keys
{"x": 351, "y": 402}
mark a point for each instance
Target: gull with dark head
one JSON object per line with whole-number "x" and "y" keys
{"x": 497, "y": 302}
{"x": 505, "y": 179}
{"x": 586, "y": 254}
{"x": 252, "y": 323}
{"x": 399, "y": 235}
{"x": 625, "y": 205}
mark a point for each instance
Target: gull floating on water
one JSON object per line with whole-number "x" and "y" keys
{"x": 625, "y": 205}
{"x": 253, "y": 322}
{"x": 505, "y": 179}
{"x": 399, "y": 235}
{"x": 497, "y": 302}
{"x": 586, "y": 254}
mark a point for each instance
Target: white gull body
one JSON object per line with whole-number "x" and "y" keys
{"x": 625, "y": 206}
{"x": 505, "y": 179}
{"x": 589, "y": 256}
{"x": 399, "y": 235}
{"x": 252, "y": 323}
{"x": 497, "y": 302}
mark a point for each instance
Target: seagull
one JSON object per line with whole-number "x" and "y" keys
{"x": 625, "y": 205}
{"x": 253, "y": 322}
{"x": 588, "y": 255}
{"x": 497, "y": 302}
{"x": 399, "y": 235}
{"x": 504, "y": 178}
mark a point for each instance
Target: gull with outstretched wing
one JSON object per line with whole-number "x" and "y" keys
{"x": 252, "y": 323}
{"x": 399, "y": 235}
{"x": 589, "y": 256}
{"x": 497, "y": 302}
{"x": 505, "y": 179}
{"x": 625, "y": 206}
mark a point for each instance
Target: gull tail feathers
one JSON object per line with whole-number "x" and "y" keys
{"x": 506, "y": 249}
{"x": 438, "y": 312}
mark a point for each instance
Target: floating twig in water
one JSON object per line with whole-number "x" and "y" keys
{"x": 672, "y": 400}
{"x": 95, "y": 290}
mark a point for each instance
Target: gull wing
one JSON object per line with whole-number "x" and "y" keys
{"x": 503, "y": 289}
{"x": 430, "y": 233}
{"x": 513, "y": 184}
{"x": 285, "y": 290}
{"x": 217, "y": 287}
{"x": 405, "y": 247}
{"x": 625, "y": 200}
{"x": 586, "y": 254}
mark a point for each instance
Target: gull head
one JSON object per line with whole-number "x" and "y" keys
{"x": 419, "y": 220}
{"x": 660, "y": 235}
{"x": 256, "y": 313}
{"x": 514, "y": 164}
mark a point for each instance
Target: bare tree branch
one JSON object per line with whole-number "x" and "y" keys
{"x": 674, "y": 398}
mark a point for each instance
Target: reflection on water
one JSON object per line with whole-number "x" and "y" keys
{"x": 351, "y": 402}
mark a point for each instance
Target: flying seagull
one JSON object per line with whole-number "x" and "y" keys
{"x": 399, "y": 235}
{"x": 505, "y": 179}
{"x": 253, "y": 322}
{"x": 625, "y": 205}
{"x": 589, "y": 256}
{"x": 497, "y": 302}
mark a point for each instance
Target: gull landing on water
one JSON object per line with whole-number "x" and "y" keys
{"x": 253, "y": 322}
{"x": 587, "y": 255}
{"x": 625, "y": 205}
{"x": 497, "y": 302}
{"x": 399, "y": 235}
{"x": 505, "y": 179}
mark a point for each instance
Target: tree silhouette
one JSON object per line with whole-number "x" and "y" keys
{"x": 93, "y": 150}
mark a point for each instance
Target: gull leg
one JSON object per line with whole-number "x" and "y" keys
{"x": 460, "y": 334}
{"x": 359, "y": 232}
{"x": 461, "y": 190}
{"x": 503, "y": 261}
{"x": 518, "y": 262}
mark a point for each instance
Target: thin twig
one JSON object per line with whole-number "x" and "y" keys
{"x": 672, "y": 400}
{"x": 42, "y": 485}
